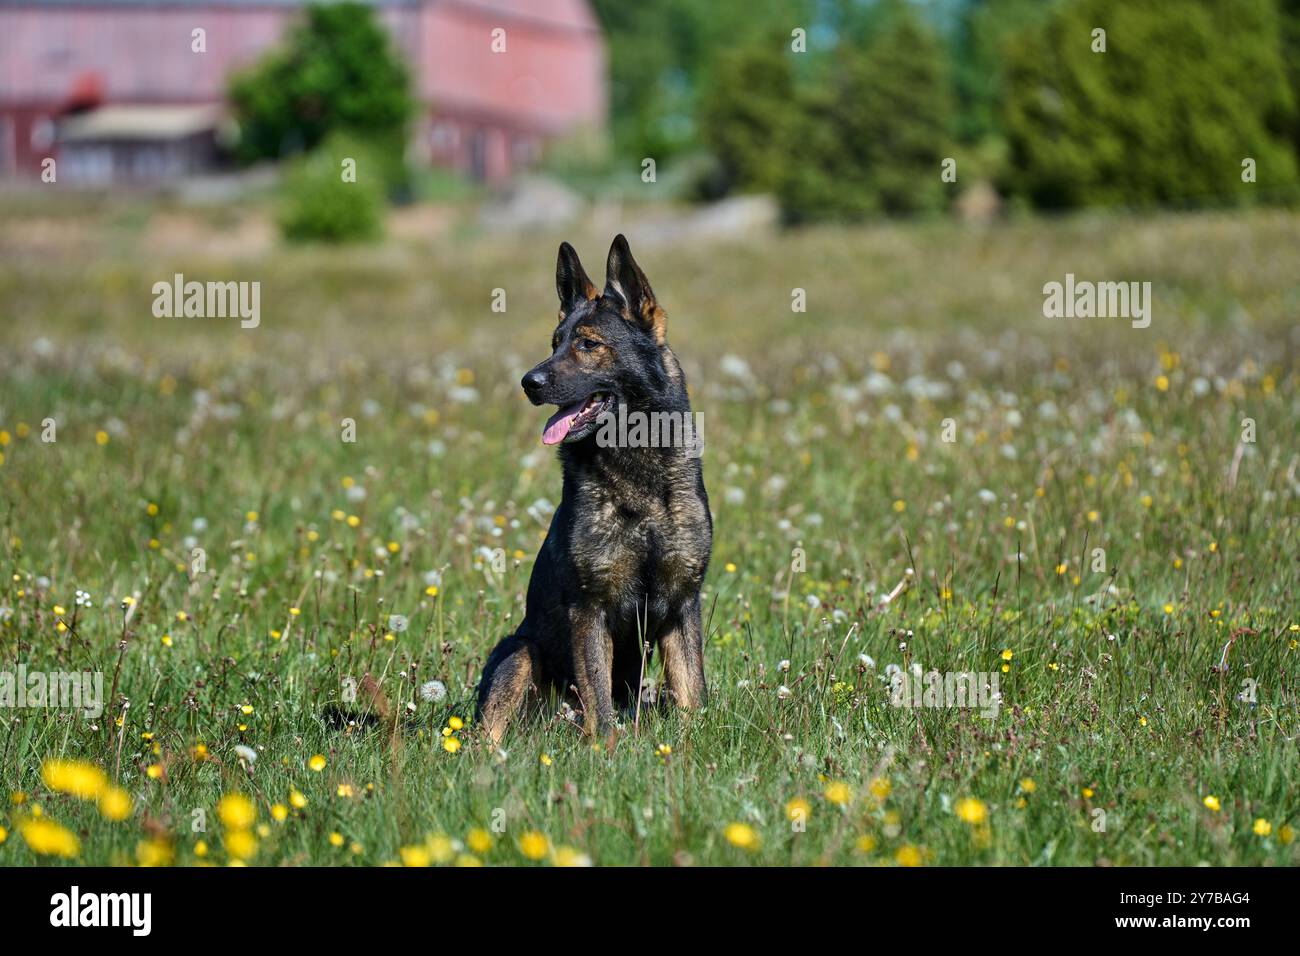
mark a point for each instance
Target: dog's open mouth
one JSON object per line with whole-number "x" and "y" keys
{"x": 573, "y": 420}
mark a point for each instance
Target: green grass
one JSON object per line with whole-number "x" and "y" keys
{"x": 1070, "y": 436}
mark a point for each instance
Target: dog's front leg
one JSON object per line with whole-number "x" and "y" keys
{"x": 683, "y": 649}
{"x": 593, "y": 654}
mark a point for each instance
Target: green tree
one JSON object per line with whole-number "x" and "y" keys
{"x": 872, "y": 139}
{"x": 1185, "y": 90}
{"x": 336, "y": 72}
{"x": 745, "y": 110}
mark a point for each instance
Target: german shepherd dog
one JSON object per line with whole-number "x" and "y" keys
{"x": 620, "y": 570}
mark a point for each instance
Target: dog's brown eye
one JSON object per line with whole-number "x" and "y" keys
{"x": 586, "y": 345}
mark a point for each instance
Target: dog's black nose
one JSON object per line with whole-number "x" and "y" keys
{"x": 534, "y": 382}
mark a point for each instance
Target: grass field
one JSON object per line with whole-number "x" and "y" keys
{"x": 1118, "y": 739}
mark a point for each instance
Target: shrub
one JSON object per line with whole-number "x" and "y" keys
{"x": 320, "y": 203}
{"x": 1184, "y": 92}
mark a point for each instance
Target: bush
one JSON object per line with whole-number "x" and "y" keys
{"x": 336, "y": 72}
{"x": 744, "y": 114}
{"x": 1185, "y": 90}
{"x": 321, "y": 204}
{"x": 872, "y": 140}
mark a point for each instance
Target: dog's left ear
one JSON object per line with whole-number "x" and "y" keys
{"x": 626, "y": 284}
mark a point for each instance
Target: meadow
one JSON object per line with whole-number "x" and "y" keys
{"x": 1102, "y": 516}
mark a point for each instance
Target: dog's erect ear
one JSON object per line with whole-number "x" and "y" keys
{"x": 626, "y": 283}
{"x": 571, "y": 282}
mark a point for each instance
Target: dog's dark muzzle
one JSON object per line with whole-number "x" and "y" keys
{"x": 534, "y": 383}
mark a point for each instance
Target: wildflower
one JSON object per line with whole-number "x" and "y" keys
{"x": 545, "y": 760}
{"x": 317, "y": 763}
{"x": 154, "y": 771}
{"x": 297, "y": 800}
{"x": 907, "y": 855}
{"x": 455, "y": 723}
{"x": 534, "y": 845}
{"x": 48, "y": 838}
{"x": 236, "y": 811}
{"x": 279, "y": 812}
{"x": 398, "y": 623}
{"x": 240, "y": 844}
{"x": 972, "y": 811}
{"x": 245, "y": 753}
{"x": 1007, "y": 654}
{"x": 568, "y": 856}
{"x": 1261, "y": 827}
{"x": 838, "y": 793}
{"x": 479, "y": 840}
{"x": 741, "y": 835}
{"x": 1087, "y": 793}
{"x": 880, "y": 787}
{"x": 865, "y": 843}
{"x": 1285, "y": 834}
{"x": 79, "y": 778}
{"x": 797, "y": 809}
{"x": 345, "y": 791}
{"x": 115, "y": 804}
{"x": 154, "y": 852}
{"x": 433, "y": 691}
{"x": 336, "y": 839}
{"x": 414, "y": 856}
{"x": 1212, "y": 803}
{"x": 1027, "y": 785}
{"x": 451, "y": 744}
{"x": 440, "y": 847}
{"x": 201, "y": 848}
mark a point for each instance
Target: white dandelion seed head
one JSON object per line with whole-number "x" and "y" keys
{"x": 433, "y": 691}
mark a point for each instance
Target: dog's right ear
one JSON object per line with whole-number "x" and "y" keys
{"x": 571, "y": 282}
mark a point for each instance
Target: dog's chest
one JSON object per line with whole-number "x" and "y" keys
{"x": 629, "y": 551}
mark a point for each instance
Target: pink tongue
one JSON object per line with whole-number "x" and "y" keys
{"x": 558, "y": 425}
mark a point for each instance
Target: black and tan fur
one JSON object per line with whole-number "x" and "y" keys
{"x": 630, "y": 541}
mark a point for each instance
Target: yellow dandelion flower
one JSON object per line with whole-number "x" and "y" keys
{"x": 972, "y": 811}
{"x": 534, "y": 845}
{"x": 431, "y": 590}
{"x": 154, "y": 771}
{"x": 336, "y": 839}
{"x": 1027, "y": 785}
{"x": 4, "y": 834}
{"x": 900, "y": 506}
{"x": 880, "y": 787}
{"x": 240, "y": 844}
{"x": 1285, "y": 834}
{"x": 115, "y": 804}
{"x": 236, "y": 811}
{"x": 279, "y": 812}
{"x": 414, "y": 856}
{"x": 451, "y": 744}
{"x": 317, "y": 763}
{"x": 440, "y": 847}
{"x": 1261, "y": 827}
{"x": 48, "y": 838}
{"x": 907, "y": 855}
{"x": 1212, "y": 803}
{"x": 155, "y": 852}
{"x": 468, "y": 860}
{"x": 798, "y": 809}
{"x": 455, "y": 723}
{"x": 297, "y": 800}
{"x": 479, "y": 840}
{"x": 741, "y": 835}
{"x": 567, "y": 856}
{"x": 77, "y": 777}
{"x": 865, "y": 843}
{"x": 1007, "y": 654}
{"x": 1087, "y": 793}
{"x": 545, "y": 759}
{"x": 838, "y": 793}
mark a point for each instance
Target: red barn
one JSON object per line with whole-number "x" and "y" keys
{"x": 487, "y": 111}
